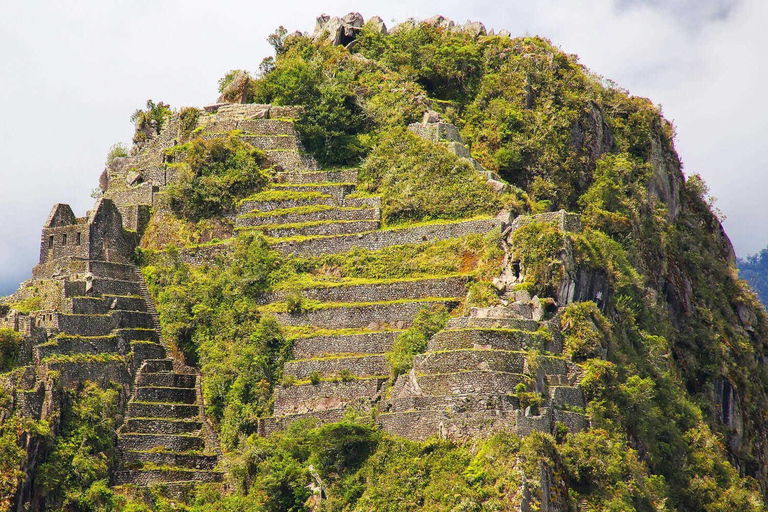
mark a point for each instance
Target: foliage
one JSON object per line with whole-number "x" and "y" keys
{"x": 117, "y": 150}
{"x": 188, "y": 120}
{"x": 10, "y": 346}
{"x": 754, "y": 269}
{"x": 212, "y": 175}
{"x": 75, "y": 472}
{"x": 420, "y": 181}
{"x": 149, "y": 122}
{"x": 414, "y": 340}
{"x": 585, "y": 331}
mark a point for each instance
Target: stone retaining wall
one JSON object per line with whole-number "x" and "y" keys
{"x": 375, "y": 240}
{"x": 371, "y": 316}
{"x": 359, "y": 366}
{"x": 503, "y": 339}
{"x": 468, "y": 359}
{"x": 290, "y": 400}
{"x": 368, "y": 343}
{"x": 441, "y": 287}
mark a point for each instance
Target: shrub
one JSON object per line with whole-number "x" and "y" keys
{"x": 117, "y": 150}
{"x": 10, "y": 347}
{"x": 188, "y": 120}
{"x": 149, "y": 122}
{"x": 420, "y": 180}
{"x": 428, "y": 321}
{"x": 586, "y": 331}
{"x": 314, "y": 378}
{"x": 481, "y": 294}
{"x": 213, "y": 174}
{"x": 294, "y": 302}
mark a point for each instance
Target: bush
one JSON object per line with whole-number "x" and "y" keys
{"x": 428, "y": 321}
{"x": 314, "y": 378}
{"x": 420, "y": 180}
{"x": 10, "y": 347}
{"x": 213, "y": 174}
{"x": 188, "y": 120}
{"x": 586, "y": 331}
{"x": 118, "y": 150}
{"x": 294, "y": 302}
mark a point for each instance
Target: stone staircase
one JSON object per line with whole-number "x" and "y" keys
{"x": 165, "y": 439}
{"x": 479, "y": 374}
{"x": 103, "y": 331}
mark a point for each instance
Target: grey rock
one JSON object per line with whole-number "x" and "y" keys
{"x": 377, "y": 24}
{"x": 439, "y": 21}
{"x": 474, "y": 28}
{"x": 341, "y": 31}
{"x": 505, "y": 33}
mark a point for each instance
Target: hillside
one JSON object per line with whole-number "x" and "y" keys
{"x": 423, "y": 267}
{"x": 754, "y": 270}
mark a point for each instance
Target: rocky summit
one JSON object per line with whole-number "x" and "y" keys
{"x": 423, "y": 267}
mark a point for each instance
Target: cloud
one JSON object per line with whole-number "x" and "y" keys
{"x": 74, "y": 72}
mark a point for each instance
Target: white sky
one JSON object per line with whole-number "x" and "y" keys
{"x": 72, "y": 72}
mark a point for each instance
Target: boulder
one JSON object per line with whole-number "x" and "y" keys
{"x": 377, "y": 24}
{"x": 439, "y": 22}
{"x": 474, "y": 28}
{"x": 336, "y": 30}
{"x": 505, "y": 33}
{"x": 237, "y": 90}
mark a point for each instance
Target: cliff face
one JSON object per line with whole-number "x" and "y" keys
{"x": 459, "y": 238}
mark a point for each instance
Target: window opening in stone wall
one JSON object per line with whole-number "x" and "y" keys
{"x": 77, "y": 238}
{"x": 64, "y": 239}
{"x": 50, "y": 242}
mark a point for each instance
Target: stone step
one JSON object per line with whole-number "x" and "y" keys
{"x": 157, "y": 365}
{"x": 66, "y": 345}
{"x": 272, "y": 142}
{"x": 164, "y": 442}
{"x": 357, "y": 366}
{"x": 471, "y": 382}
{"x": 454, "y": 361}
{"x": 170, "y": 395}
{"x": 162, "y": 410}
{"x": 332, "y": 176}
{"x": 420, "y": 425}
{"x": 327, "y": 395}
{"x": 323, "y": 228}
{"x": 268, "y": 205}
{"x": 375, "y": 316}
{"x": 566, "y": 396}
{"x": 101, "y": 286}
{"x": 375, "y": 240}
{"x": 137, "y": 334}
{"x": 503, "y": 339}
{"x": 183, "y": 460}
{"x": 149, "y": 476}
{"x": 300, "y": 215}
{"x": 104, "y": 304}
{"x": 143, "y": 350}
{"x": 377, "y": 342}
{"x": 165, "y": 379}
{"x": 335, "y": 190}
{"x": 438, "y": 287}
{"x": 466, "y": 322}
{"x": 290, "y": 160}
{"x": 161, "y": 426}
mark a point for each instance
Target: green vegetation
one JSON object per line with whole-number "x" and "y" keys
{"x": 754, "y": 270}
{"x": 149, "y": 122}
{"x": 10, "y": 346}
{"x": 118, "y": 150}
{"x": 74, "y": 475}
{"x": 420, "y": 180}
{"x": 213, "y": 175}
{"x": 414, "y": 340}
